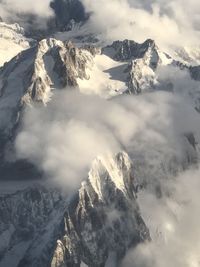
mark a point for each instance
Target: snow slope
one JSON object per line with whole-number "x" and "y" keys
{"x": 12, "y": 41}
{"x": 107, "y": 78}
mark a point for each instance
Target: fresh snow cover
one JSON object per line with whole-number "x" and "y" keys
{"x": 107, "y": 78}
{"x": 190, "y": 55}
{"x": 107, "y": 163}
{"x": 83, "y": 264}
{"x": 12, "y": 41}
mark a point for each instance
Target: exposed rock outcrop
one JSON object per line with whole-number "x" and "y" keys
{"x": 32, "y": 75}
{"x": 104, "y": 216}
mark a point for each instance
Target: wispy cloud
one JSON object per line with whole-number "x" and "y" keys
{"x": 174, "y": 225}
{"x": 170, "y": 23}
{"x": 64, "y": 137}
{"x": 12, "y": 10}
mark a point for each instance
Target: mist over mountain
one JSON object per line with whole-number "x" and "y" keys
{"x": 99, "y": 133}
{"x": 41, "y": 19}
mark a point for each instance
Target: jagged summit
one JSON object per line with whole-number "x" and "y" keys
{"x": 39, "y": 226}
{"x": 104, "y": 217}
{"x": 46, "y": 147}
{"x": 128, "y": 49}
{"x": 124, "y": 66}
{"x": 31, "y": 77}
{"x": 33, "y": 74}
{"x": 141, "y": 63}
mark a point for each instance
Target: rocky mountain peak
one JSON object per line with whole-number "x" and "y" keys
{"x": 142, "y": 61}
{"x": 57, "y": 64}
{"x": 104, "y": 216}
{"x": 35, "y": 72}
{"x": 102, "y": 221}
{"x": 128, "y": 49}
{"x": 120, "y": 171}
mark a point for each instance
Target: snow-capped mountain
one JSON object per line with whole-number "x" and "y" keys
{"x": 42, "y": 226}
{"x": 142, "y": 61}
{"x": 37, "y": 71}
{"x": 190, "y": 55}
{"x": 124, "y": 67}
{"x": 102, "y": 218}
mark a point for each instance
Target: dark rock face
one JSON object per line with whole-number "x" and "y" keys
{"x": 104, "y": 217}
{"x": 24, "y": 217}
{"x": 138, "y": 57}
{"x": 195, "y": 73}
{"x": 143, "y": 61}
{"x": 67, "y": 10}
{"x": 40, "y": 228}
{"x": 50, "y": 64}
{"x": 34, "y": 73}
{"x": 128, "y": 49}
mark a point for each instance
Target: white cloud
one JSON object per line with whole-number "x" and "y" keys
{"x": 174, "y": 22}
{"x": 174, "y": 225}
{"x": 37, "y": 7}
{"x": 16, "y": 11}
{"x": 64, "y": 137}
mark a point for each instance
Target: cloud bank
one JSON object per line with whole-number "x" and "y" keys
{"x": 174, "y": 225}
{"x": 170, "y": 23}
{"x": 17, "y": 11}
{"x": 64, "y": 137}
{"x": 40, "y": 8}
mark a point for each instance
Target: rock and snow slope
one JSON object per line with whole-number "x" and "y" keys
{"x": 32, "y": 75}
{"x": 12, "y": 41}
{"x": 123, "y": 67}
{"x": 104, "y": 217}
{"x": 24, "y": 216}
